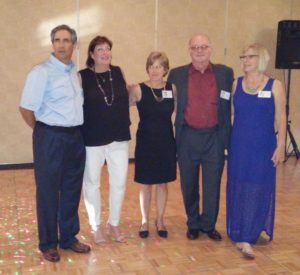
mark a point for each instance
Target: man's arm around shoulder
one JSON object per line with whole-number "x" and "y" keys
{"x": 176, "y": 74}
{"x": 227, "y": 72}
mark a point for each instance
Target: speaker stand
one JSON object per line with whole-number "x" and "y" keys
{"x": 289, "y": 133}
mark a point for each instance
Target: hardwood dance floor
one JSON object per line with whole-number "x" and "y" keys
{"x": 175, "y": 255}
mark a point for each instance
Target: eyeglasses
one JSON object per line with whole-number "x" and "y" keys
{"x": 250, "y": 56}
{"x": 199, "y": 47}
{"x": 102, "y": 50}
{"x": 155, "y": 67}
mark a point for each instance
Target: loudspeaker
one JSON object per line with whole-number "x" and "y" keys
{"x": 288, "y": 45}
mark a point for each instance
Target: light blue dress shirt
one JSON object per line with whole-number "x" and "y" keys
{"x": 53, "y": 92}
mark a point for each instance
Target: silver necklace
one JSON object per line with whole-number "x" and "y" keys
{"x": 109, "y": 104}
{"x": 157, "y": 98}
{"x": 102, "y": 78}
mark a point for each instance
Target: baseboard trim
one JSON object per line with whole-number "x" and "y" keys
{"x": 16, "y": 166}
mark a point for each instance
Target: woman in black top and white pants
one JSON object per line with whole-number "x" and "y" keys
{"x": 106, "y": 135}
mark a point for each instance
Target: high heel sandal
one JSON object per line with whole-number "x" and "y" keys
{"x": 163, "y": 233}
{"x": 115, "y": 230}
{"x": 246, "y": 250}
{"x": 98, "y": 236}
{"x": 144, "y": 233}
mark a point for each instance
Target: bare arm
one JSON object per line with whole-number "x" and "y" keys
{"x": 80, "y": 79}
{"x": 280, "y": 120}
{"x": 28, "y": 116}
{"x": 232, "y": 94}
{"x": 135, "y": 94}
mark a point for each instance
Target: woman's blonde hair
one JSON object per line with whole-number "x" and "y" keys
{"x": 263, "y": 55}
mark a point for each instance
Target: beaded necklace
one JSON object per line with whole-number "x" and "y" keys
{"x": 255, "y": 89}
{"x": 109, "y": 104}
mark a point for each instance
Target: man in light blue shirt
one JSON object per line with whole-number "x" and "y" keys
{"x": 51, "y": 105}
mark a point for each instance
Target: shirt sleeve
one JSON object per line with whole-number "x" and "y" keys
{"x": 34, "y": 89}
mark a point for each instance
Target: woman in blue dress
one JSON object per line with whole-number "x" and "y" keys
{"x": 254, "y": 151}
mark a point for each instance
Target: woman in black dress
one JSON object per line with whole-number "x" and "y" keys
{"x": 155, "y": 152}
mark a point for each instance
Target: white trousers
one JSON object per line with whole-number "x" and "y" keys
{"x": 116, "y": 156}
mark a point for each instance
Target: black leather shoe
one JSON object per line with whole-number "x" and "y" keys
{"x": 214, "y": 235}
{"x": 192, "y": 234}
{"x": 163, "y": 233}
{"x": 143, "y": 233}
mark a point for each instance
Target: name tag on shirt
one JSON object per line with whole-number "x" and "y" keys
{"x": 264, "y": 94}
{"x": 225, "y": 95}
{"x": 167, "y": 94}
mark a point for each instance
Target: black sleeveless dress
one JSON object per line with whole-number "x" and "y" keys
{"x": 155, "y": 151}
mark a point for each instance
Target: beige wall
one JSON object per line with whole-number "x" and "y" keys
{"x": 136, "y": 27}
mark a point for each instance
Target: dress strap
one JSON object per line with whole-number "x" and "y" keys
{"x": 239, "y": 86}
{"x": 269, "y": 85}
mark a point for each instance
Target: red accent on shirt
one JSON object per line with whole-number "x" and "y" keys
{"x": 201, "y": 110}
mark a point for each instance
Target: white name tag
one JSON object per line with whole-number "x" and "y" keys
{"x": 225, "y": 95}
{"x": 264, "y": 94}
{"x": 167, "y": 94}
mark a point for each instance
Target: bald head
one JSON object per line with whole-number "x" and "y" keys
{"x": 200, "y": 51}
{"x": 200, "y": 36}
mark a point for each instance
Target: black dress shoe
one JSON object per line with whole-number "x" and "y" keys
{"x": 79, "y": 247}
{"x": 214, "y": 235}
{"x": 192, "y": 234}
{"x": 51, "y": 255}
{"x": 163, "y": 233}
{"x": 143, "y": 233}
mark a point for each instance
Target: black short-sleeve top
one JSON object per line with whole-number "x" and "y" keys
{"x": 105, "y": 123}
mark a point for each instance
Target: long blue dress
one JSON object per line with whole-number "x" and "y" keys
{"x": 251, "y": 174}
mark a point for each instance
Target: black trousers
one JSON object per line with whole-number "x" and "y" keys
{"x": 59, "y": 159}
{"x": 200, "y": 148}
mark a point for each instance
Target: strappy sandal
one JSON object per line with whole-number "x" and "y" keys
{"x": 98, "y": 236}
{"x": 115, "y": 230}
{"x": 246, "y": 250}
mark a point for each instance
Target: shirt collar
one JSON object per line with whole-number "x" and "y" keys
{"x": 193, "y": 70}
{"x": 60, "y": 65}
